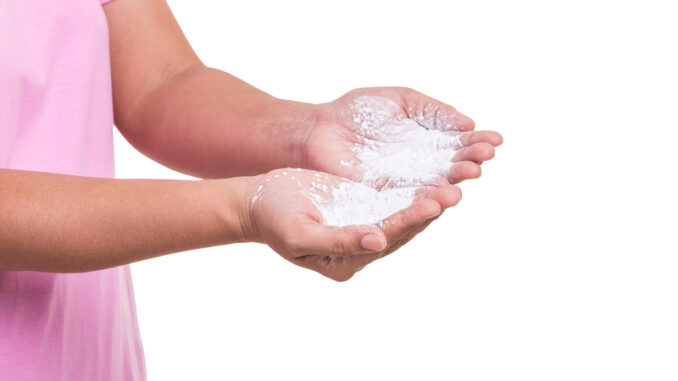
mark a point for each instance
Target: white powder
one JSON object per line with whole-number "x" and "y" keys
{"x": 351, "y": 203}
{"x": 397, "y": 156}
{"x": 394, "y": 151}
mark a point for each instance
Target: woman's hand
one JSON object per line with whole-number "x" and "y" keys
{"x": 280, "y": 212}
{"x": 330, "y": 145}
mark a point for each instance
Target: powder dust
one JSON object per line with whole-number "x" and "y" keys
{"x": 396, "y": 154}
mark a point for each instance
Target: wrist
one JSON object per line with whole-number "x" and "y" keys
{"x": 300, "y": 120}
{"x": 231, "y": 201}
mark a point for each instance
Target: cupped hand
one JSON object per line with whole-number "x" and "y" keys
{"x": 333, "y": 141}
{"x": 281, "y": 213}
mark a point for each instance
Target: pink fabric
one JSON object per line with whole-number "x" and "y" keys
{"x": 56, "y": 116}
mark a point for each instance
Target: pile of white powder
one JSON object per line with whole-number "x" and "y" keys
{"x": 397, "y": 156}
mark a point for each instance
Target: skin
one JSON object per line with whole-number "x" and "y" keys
{"x": 331, "y": 140}
{"x": 209, "y": 124}
{"x": 291, "y": 225}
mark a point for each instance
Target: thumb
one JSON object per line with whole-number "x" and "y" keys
{"x": 342, "y": 241}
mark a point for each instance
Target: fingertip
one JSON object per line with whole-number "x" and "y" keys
{"x": 428, "y": 208}
{"x": 448, "y": 196}
{"x": 486, "y": 150}
{"x": 498, "y": 139}
{"x": 464, "y": 170}
{"x": 464, "y": 123}
{"x": 454, "y": 195}
{"x": 474, "y": 171}
{"x": 469, "y": 138}
{"x": 476, "y": 152}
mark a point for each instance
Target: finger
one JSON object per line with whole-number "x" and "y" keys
{"x": 316, "y": 238}
{"x": 491, "y": 137}
{"x": 414, "y": 230}
{"x": 408, "y": 237}
{"x": 433, "y": 114}
{"x": 405, "y": 220}
{"x": 399, "y": 229}
{"x": 463, "y": 123}
{"x": 445, "y": 195}
{"x": 464, "y": 170}
{"x": 478, "y": 152}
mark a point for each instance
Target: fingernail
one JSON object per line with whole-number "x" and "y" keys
{"x": 372, "y": 242}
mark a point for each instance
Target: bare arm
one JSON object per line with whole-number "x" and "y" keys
{"x": 59, "y": 223}
{"x": 63, "y": 223}
{"x": 208, "y": 123}
{"x": 191, "y": 118}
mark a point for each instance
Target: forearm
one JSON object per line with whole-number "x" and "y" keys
{"x": 209, "y": 124}
{"x": 60, "y": 223}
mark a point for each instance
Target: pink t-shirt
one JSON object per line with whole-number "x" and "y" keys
{"x": 56, "y": 115}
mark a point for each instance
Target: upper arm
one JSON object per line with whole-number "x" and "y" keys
{"x": 147, "y": 46}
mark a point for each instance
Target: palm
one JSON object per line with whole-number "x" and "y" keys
{"x": 334, "y": 143}
{"x": 284, "y": 213}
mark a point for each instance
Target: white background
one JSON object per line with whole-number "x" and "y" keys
{"x": 560, "y": 263}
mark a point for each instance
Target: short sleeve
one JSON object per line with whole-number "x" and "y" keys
{"x": 104, "y": 1}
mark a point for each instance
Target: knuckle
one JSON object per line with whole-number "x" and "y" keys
{"x": 401, "y": 218}
{"x": 340, "y": 248}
